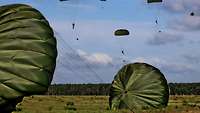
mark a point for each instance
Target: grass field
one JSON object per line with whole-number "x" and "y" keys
{"x": 98, "y": 104}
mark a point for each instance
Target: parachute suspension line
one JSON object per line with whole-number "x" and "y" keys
{"x": 68, "y": 66}
{"x": 157, "y": 20}
{"x": 120, "y": 34}
{"x": 74, "y": 21}
{"x": 69, "y": 62}
{"x": 158, "y": 16}
{"x": 123, "y": 53}
{"x": 51, "y": 89}
{"x": 157, "y": 23}
{"x": 72, "y": 70}
{"x": 189, "y": 11}
{"x": 86, "y": 64}
{"x": 103, "y": 3}
{"x": 75, "y": 32}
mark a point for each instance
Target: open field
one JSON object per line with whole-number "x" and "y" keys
{"x": 98, "y": 104}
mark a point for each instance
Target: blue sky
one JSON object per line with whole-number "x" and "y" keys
{"x": 96, "y": 56}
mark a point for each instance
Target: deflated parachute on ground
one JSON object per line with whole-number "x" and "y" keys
{"x": 27, "y": 54}
{"x": 138, "y": 86}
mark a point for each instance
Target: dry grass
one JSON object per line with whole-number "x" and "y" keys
{"x": 98, "y": 104}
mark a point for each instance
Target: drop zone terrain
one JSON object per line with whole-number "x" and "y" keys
{"x": 98, "y": 104}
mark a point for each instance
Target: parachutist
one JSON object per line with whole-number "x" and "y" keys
{"x": 73, "y": 25}
{"x": 156, "y": 21}
{"x": 123, "y": 52}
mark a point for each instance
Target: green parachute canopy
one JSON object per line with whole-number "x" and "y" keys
{"x": 153, "y": 1}
{"x": 138, "y": 86}
{"x": 121, "y": 32}
{"x": 27, "y": 54}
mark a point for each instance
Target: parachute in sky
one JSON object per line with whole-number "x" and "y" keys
{"x": 64, "y": 0}
{"x": 153, "y": 1}
{"x": 121, "y": 32}
{"x": 28, "y": 54}
{"x": 138, "y": 86}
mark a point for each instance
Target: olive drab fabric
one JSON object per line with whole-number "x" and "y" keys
{"x": 27, "y": 52}
{"x": 138, "y": 86}
{"x": 153, "y": 1}
{"x": 121, "y": 32}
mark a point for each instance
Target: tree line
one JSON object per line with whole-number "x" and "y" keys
{"x": 103, "y": 89}
{"x": 184, "y": 88}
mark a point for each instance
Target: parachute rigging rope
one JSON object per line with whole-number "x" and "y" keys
{"x": 86, "y": 64}
{"x": 69, "y": 67}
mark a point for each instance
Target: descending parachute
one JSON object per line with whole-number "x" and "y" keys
{"x": 153, "y": 1}
{"x": 121, "y": 32}
{"x": 27, "y": 52}
{"x": 137, "y": 86}
{"x": 64, "y": 0}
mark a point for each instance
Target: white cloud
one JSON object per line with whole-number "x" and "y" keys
{"x": 96, "y": 58}
{"x": 81, "y": 52}
{"x": 78, "y": 66}
{"x": 100, "y": 58}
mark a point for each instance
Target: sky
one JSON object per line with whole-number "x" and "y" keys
{"x": 96, "y": 56}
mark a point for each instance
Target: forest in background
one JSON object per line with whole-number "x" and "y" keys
{"x": 103, "y": 89}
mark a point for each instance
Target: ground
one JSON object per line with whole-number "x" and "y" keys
{"x": 98, "y": 104}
